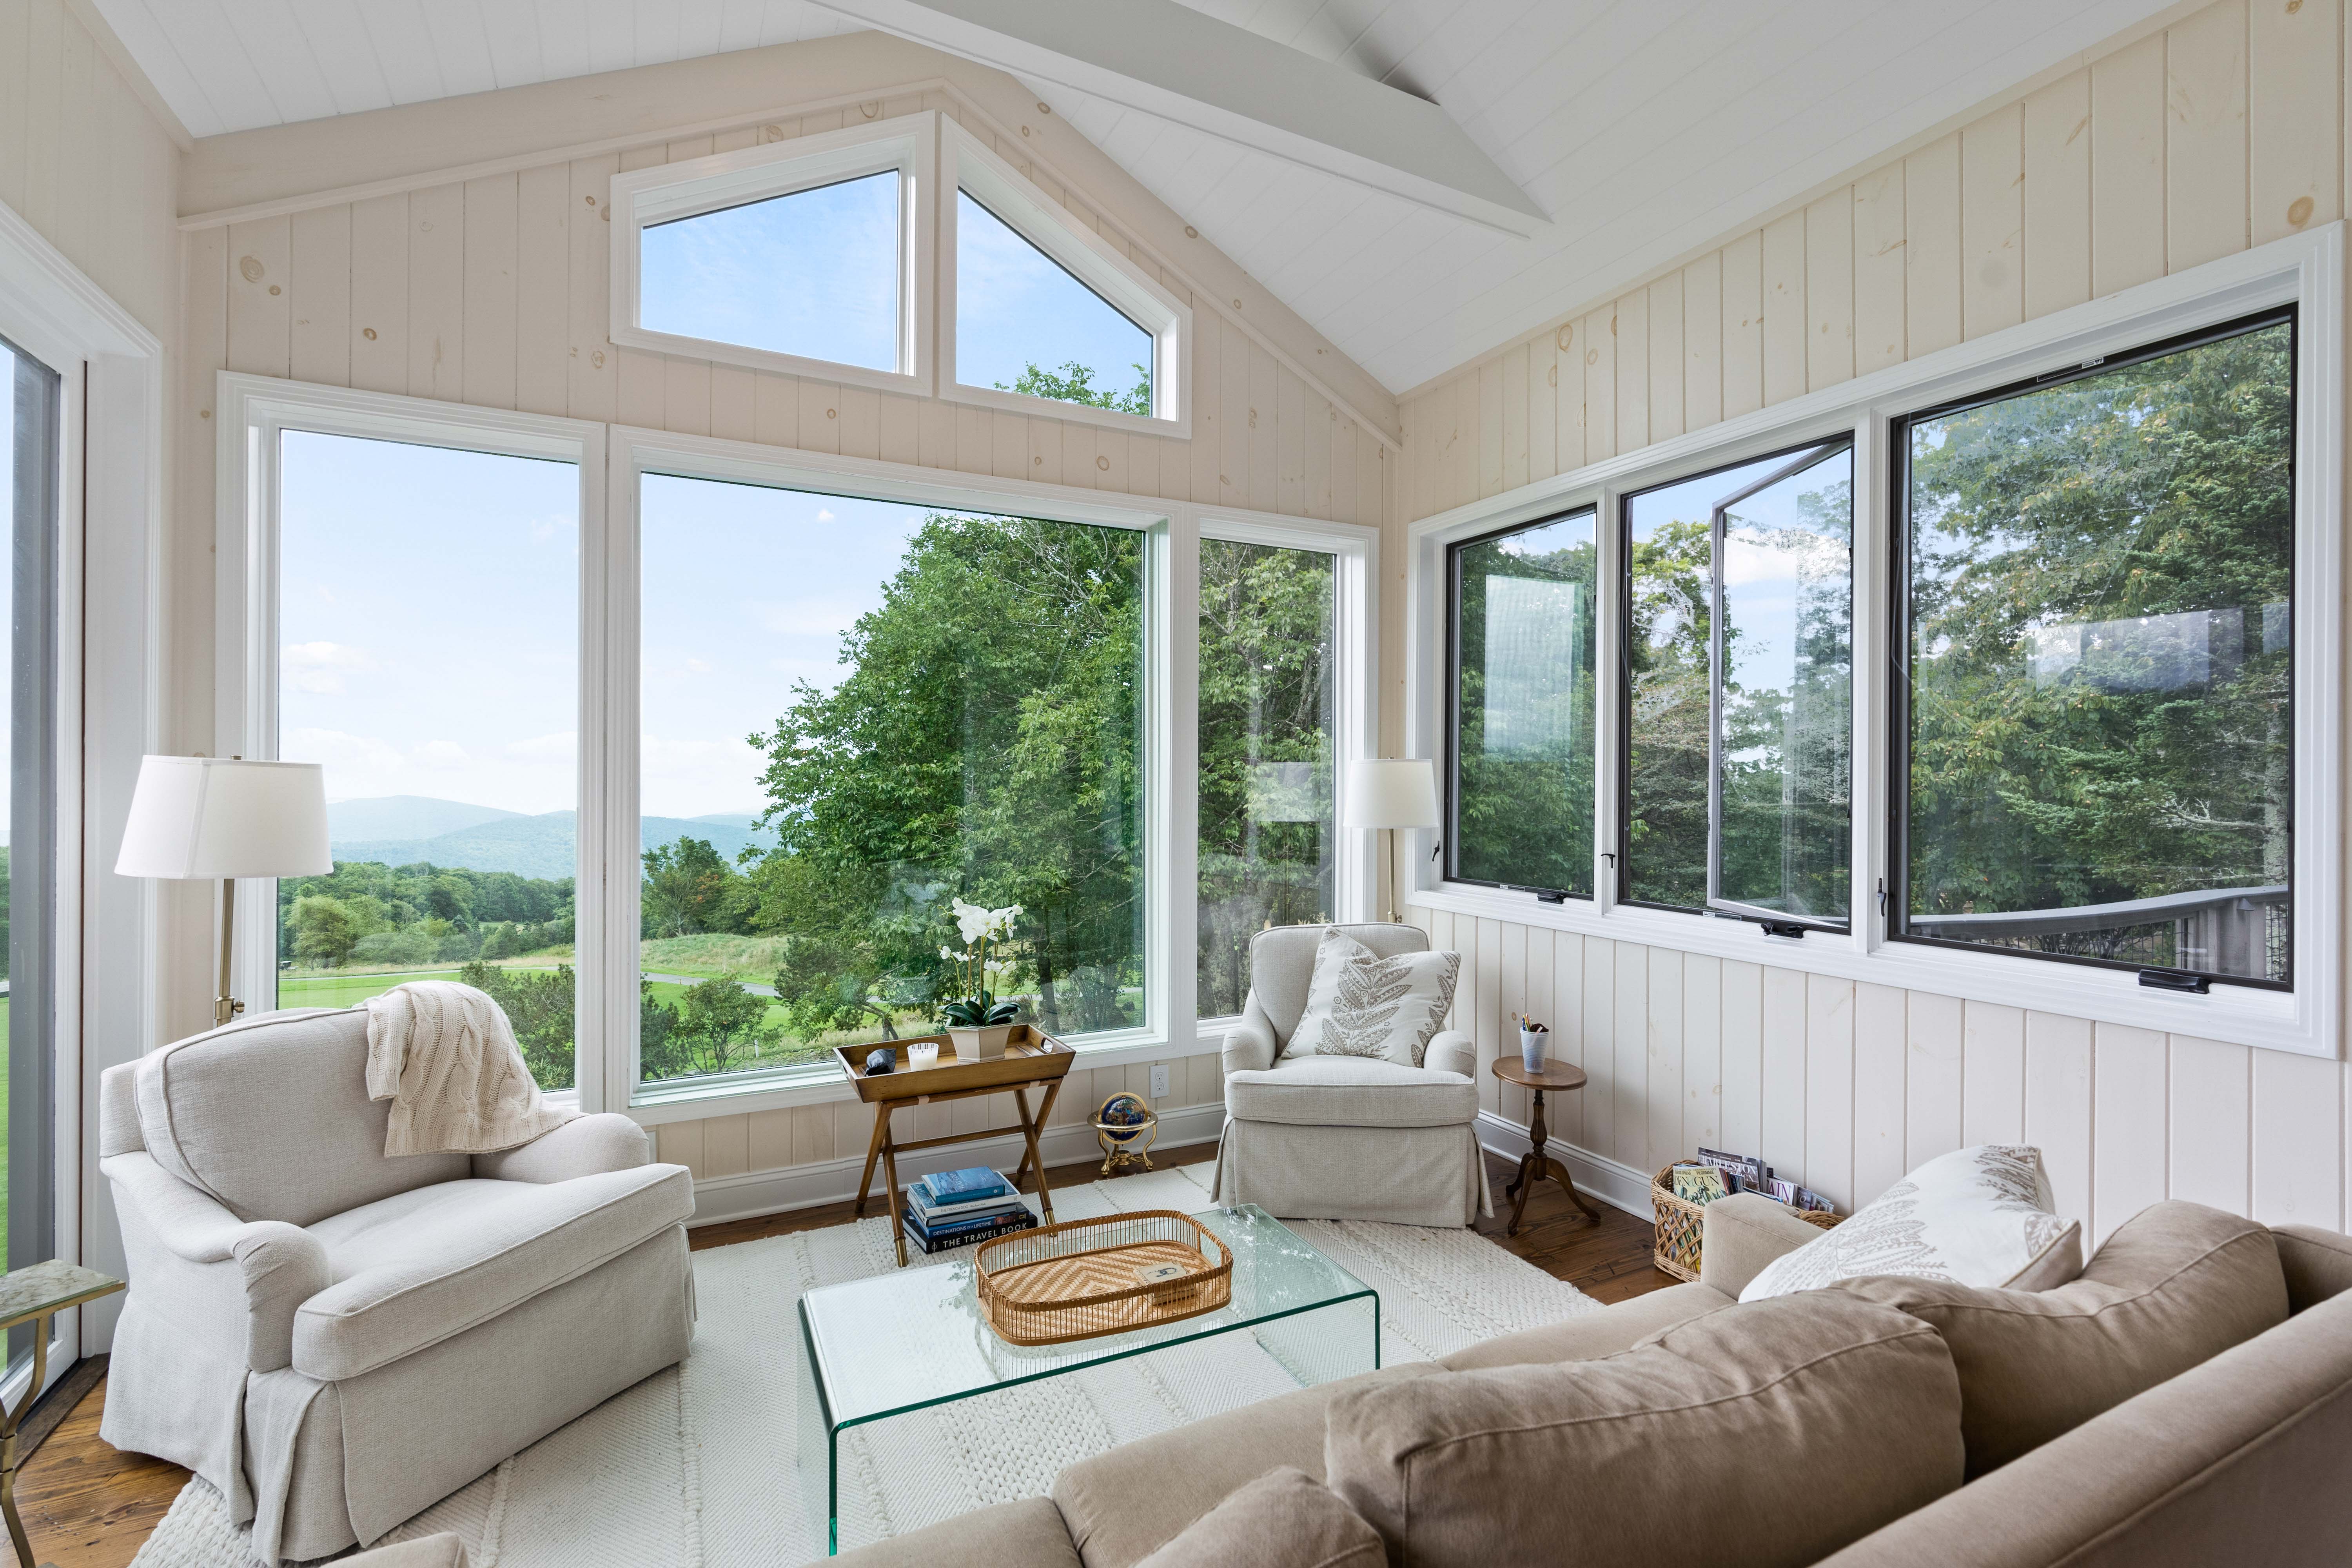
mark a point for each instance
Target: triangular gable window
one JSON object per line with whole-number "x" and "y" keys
{"x": 1045, "y": 311}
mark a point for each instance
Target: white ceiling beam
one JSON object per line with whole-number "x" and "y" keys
{"x": 1167, "y": 59}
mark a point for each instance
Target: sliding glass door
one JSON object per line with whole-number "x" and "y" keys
{"x": 28, "y": 479}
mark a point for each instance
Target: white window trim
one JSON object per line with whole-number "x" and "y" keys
{"x": 665, "y": 192}
{"x": 2306, "y": 269}
{"x": 965, "y": 164}
{"x": 251, "y": 411}
{"x": 111, "y": 479}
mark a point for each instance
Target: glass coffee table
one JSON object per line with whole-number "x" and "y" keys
{"x": 914, "y": 1338}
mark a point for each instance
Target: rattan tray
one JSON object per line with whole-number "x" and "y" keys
{"x": 1086, "y": 1278}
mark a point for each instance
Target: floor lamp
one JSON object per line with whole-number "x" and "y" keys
{"x": 1389, "y": 793}
{"x": 219, "y": 818}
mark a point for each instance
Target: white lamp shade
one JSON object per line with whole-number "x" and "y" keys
{"x": 205, "y": 817}
{"x": 1393, "y": 794}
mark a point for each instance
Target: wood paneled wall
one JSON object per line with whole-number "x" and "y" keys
{"x": 2226, "y": 131}
{"x": 493, "y": 293}
{"x": 84, "y": 163}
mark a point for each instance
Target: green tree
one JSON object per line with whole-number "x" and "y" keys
{"x": 688, "y": 889}
{"x": 324, "y": 930}
{"x": 1074, "y": 383}
{"x": 1265, "y": 724}
{"x": 538, "y": 1003}
{"x": 985, "y": 741}
{"x": 717, "y": 1027}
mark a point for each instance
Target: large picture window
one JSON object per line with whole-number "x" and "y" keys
{"x": 2096, "y": 728}
{"x": 872, "y": 710}
{"x": 443, "y": 703}
{"x": 1522, "y": 630}
{"x": 1269, "y": 747}
{"x": 1738, "y": 763}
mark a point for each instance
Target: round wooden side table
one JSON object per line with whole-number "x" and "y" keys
{"x": 1559, "y": 1077}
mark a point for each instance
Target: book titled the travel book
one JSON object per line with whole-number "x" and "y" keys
{"x": 963, "y": 1232}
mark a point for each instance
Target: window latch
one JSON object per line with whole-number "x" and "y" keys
{"x": 2177, "y": 980}
{"x": 1882, "y": 897}
{"x": 1790, "y": 930}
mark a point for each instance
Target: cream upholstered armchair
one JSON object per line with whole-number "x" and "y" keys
{"x": 1320, "y": 1137}
{"x": 336, "y": 1339}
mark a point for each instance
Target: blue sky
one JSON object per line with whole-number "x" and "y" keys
{"x": 8, "y": 560}
{"x": 746, "y": 590}
{"x": 428, "y": 622}
{"x": 1016, "y": 306}
{"x": 814, "y": 273}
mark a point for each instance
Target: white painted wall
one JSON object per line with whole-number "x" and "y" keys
{"x": 2225, "y": 131}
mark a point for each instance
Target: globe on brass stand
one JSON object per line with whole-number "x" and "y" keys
{"x": 1126, "y": 1127}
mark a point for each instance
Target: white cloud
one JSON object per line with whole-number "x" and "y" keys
{"x": 313, "y": 667}
{"x": 698, "y": 666}
{"x": 443, "y": 755}
{"x": 692, "y": 778}
{"x": 824, "y": 515}
{"x": 562, "y": 746}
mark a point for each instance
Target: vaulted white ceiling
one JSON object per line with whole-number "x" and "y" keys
{"x": 1642, "y": 127}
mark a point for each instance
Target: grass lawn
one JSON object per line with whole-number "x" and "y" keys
{"x": 752, "y": 958}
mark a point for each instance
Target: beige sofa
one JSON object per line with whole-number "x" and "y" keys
{"x": 2188, "y": 1401}
{"x": 336, "y": 1339}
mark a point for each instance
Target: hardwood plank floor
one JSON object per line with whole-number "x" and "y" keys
{"x": 87, "y": 1506}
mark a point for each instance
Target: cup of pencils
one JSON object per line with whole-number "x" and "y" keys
{"x": 1535, "y": 1043}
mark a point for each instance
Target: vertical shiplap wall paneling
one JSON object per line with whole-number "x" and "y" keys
{"x": 2228, "y": 129}
{"x": 494, "y": 292}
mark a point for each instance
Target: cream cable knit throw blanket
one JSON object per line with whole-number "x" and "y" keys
{"x": 446, "y": 1057}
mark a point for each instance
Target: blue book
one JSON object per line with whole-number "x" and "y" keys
{"x": 935, "y": 1224}
{"x": 934, "y": 1211}
{"x": 930, "y": 1238}
{"x": 970, "y": 1184}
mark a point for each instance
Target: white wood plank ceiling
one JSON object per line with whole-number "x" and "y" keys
{"x": 1642, "y": 127}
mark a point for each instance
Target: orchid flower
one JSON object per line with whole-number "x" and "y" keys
{"x": 972, "y": 920}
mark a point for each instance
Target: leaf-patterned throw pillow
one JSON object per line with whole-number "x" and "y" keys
{"x": 1359, "y": 1005}
{"x": 1980, "y": 1217}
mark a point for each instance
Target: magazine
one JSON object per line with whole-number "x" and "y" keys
{"x": 1700, "y": 1184}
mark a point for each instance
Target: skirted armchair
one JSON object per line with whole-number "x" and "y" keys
{"x": 1324, "y": 1137}
{"x": 336, "y": 1339}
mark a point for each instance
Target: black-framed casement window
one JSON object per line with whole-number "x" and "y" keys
{"x": 1521, "y": 624}
{"x": 1739, "y": 689}
{"x": 29, "y": 482}
{"x": 2094, "y": 725}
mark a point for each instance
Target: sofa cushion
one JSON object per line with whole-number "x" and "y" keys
{"x": 1284, "y": 1519}
{"x": 2176, "y": 1285}
{"x": 1770, "y": 1436}
{"x": 2318, "y": 1264}
{"x": 2238, "y": 1461}
{"x": 1975, "y": 1216}
{"x": 1026, "y": 1533}
{"x": 415, "y": 1268}
{"x": 271, "y": 1117}
{"x": 1351, "y": 1091}
{"x": 1125, "y": 1503}
{"x": 1363, "y": 1004}
{"x": 1588, "y": 1336}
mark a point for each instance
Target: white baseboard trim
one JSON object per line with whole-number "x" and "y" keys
{"x": 756, "y": 1192}
{"x": 1597, "y": 1175}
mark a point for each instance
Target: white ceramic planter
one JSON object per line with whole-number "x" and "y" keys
{"x": 983, "y": 1044}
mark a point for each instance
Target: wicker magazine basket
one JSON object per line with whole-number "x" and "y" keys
{"x": 1086, "y": 1277}
{"x": 1680, "y": 1223}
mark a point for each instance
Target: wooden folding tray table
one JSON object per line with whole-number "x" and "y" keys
{"x": 1031, "y": 1060}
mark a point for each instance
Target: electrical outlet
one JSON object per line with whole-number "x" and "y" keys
{"x": 1159, "y": 1083}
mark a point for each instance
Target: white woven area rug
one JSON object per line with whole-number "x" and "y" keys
{"x": 693, "y": 1467}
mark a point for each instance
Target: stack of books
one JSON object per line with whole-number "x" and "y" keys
{"x": 964, "y": 1209}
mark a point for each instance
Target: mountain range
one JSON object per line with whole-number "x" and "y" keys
{"x": 403, "y": 829}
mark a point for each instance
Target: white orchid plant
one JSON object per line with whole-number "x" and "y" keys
{"x": 979, "y": 1005}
